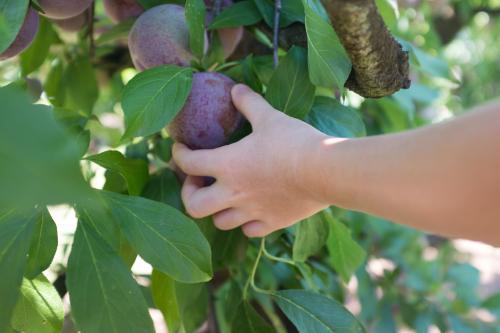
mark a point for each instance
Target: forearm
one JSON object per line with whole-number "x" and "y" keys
{"x": 443, "y": 179}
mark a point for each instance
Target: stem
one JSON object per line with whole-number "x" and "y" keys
{"x": 283, "y": 260}
{"x": 277, "y": 13}
{"x": 251, "y": 278}
{"x": 91, "y": 31}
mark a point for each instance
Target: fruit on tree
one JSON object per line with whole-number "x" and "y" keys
{"x": 229, "y": 37}
{"x": 121, "y": 10}
{"x": 63, "y": 9}
{"x": 73, "y": 24}
{"x": 24, "y": 37}
{"x": 160, "y": 36}
{"x": 209, "y": 118}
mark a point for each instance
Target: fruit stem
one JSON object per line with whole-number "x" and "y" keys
{"x": 277, "y": 13}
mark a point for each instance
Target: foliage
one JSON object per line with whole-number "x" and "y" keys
{"x": 299, "y": 279}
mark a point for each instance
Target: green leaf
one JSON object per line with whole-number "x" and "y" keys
{"x": 164, "y": 237}
{"x": 34, "y": 56}
{"x": 104, "y": 296}
{"x": 165, "y": 299}
{"x": 40, "y": 163}
{"x": 195, "y": 17}
{"x": 247, "y": 320}
{"x": 311, "y": 312}
{"x": 39, "y": 308}
{"x": 43, "y": 244}
{"x": 12, "y": 14}
{"x": 291, "y": 11}
{"x": 193, "y": 304}
{"x": 16, "y": 230}
{"x": 310, "y": 236}
{"x": 239, "y": 14}
{"x": 120, "y": 30}
{"x": 335, "y": 119}
{"x": 81, "y": 85}
{"x": 98, "y": 216}
{"x": 153, "y": 98}
{"x": 164, "y": 187}
{"x": 290, "y": 89}
{"x": 345, "y": 254}
{"x": 329, "y": 65}
{"x": 134, "y": 171}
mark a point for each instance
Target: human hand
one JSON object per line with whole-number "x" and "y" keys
{"x": 267, "y": 181}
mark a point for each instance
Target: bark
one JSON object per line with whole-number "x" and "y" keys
{"x": 380, "y": 66}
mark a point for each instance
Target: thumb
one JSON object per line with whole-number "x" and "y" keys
{"x": 253, "y": 106}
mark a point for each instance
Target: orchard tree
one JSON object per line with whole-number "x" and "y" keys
{"x": 165, "y": 70}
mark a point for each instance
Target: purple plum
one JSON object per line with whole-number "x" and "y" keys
{"x": 25, "y": 36}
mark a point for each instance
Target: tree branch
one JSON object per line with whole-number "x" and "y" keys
{"x": 380, "y": 66}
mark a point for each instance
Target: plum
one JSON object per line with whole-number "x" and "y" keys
{"x": 63, "y": 9}
{"x": 229, "y": 37}
{"x": 160, "y": 36}
{"x": 121, "y": 10}
{"x": 209, "y": 118}
{"x": 24, "y": 37}
{"x": 73, "y": 24}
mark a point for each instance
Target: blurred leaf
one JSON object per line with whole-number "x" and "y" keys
{"x": 165, "y": 188}
{"x": 329, "y": 65}
{"x": 153, "y": 98}
{"x": 250, "y": 77}
{"x": 120, "y": 30}
{"x": 335, "y": 119}
{"x": 16, "y": 230}
{"x": 54, "y": 86}
{"x": 193, "y": 304}
{"x": 165, "y": 299}
{"x": 310, "y": 236}
{"x": 388, "y": 9}
{"x": 163, "y": 149}
{"x": 289, "y": 89}
{"x": 12, "y": 14}
{"x": 134, "y": 171}
{"x": 237, "y": 15}
{"x": 311, "y": 312}
{"x": 345, "y": 254}
{"x": 40, "y": 162}
{"x": 228, "y": 247}
{"x": 80, "y": 84}
{"x": 43, "y": 244}
{"x": 39, "y": 308}
{"x": 163, "y": 236}
{"x": 291, "y": 11}
{"x": 104, "y": 296}
{"x": 247, "y": 320}
{"x": 195, "y": 18}
{"x": 34, "y": 56}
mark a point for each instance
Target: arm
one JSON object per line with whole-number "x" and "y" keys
{"x": 443, "y": 178}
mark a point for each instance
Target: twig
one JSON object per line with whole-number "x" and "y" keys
{"x": 91, "y": 31}
{"x": 276, "y": 31}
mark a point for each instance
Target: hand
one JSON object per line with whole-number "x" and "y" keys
{"x": 264, "y": 182}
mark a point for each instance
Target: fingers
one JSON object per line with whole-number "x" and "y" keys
{"x": 230, "y": 219}
{"x": 256, "y": 229}
{"x": 203, "y": 201}
{"x": 253, "y": 106}
{"x": 196, "y": 162}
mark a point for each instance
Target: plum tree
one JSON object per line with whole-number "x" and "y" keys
{"x": 121, "y": 10}
{"x": 209, "y": 117}
{"x": 24, "y": 37}
{"x": 73, "y": 24}
{"x": 229, "y": 37}
{"x": 63, "y": 9}
{"x": 159, "y": 37}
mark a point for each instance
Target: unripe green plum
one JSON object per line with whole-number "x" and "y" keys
{"x": 160, "y": 36}
{"x": 73, "y": 24}
{"x": 121, "y": 10}
{"x": 25, "y": 36}
{"x": 209, "y": 118}
{"x": 229, "y": 37}
{"x": 63, "y": 9}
